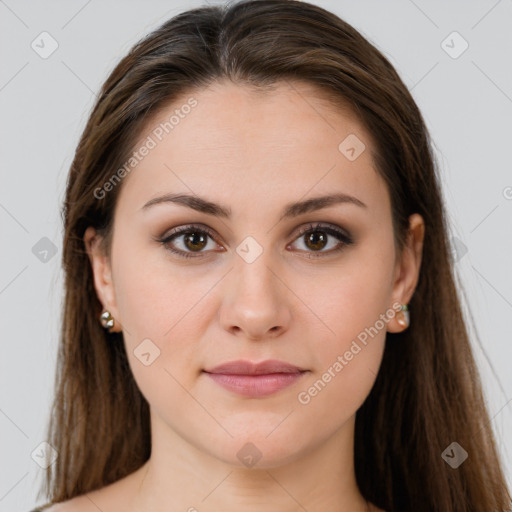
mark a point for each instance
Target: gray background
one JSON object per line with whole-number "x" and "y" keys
{"x": 466, "y": 101}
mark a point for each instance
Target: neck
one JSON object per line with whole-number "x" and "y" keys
{"x": 180, "y": 474}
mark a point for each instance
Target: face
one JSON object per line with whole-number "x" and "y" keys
{"x": 313, "y": 286}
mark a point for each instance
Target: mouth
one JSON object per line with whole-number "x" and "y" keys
{"x": 255, "y": 379}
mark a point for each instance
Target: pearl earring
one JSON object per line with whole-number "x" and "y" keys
{"x": 406, "y": 319}
{"x": 107, "y": 320}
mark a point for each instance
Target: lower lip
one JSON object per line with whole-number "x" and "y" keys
{"x": 255, "y": 385}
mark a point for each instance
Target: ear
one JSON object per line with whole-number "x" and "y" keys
{"x": 407, "y": 270}
{"x": 102, "y": 275}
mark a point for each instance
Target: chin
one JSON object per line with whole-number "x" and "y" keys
{"x": 254, "y": 448}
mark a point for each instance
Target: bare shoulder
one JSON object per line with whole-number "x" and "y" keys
{"x": 78, "y": 504}
{"x": 115, "y": 496}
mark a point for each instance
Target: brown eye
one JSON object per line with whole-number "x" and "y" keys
{"x": 316, "y": 237}
{"x": 195, "y": 241}
{"x": 316, "y": 240}
{"x": 190, "y": 240}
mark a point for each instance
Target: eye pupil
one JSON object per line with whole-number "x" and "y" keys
{"x": 317, "y": 238}
{"x": 193, "y": 237}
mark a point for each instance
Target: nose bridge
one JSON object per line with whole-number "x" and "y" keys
{"x": 255, "y": 301}
{"x": 253, "y": 274}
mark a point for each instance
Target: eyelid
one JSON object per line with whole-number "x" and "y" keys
{"x": 312, "y": 226}
{"x": 179, "y": 230}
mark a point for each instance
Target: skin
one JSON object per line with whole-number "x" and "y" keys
{"x": 253, "y": 153}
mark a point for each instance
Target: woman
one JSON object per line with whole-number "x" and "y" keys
{"x": 251, "y": 216}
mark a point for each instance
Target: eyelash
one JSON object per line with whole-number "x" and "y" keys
{"x": 344, "y": 238}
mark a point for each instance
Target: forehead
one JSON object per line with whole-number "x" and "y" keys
{"x": 278, "y": 144}
{"x": 276, "y": 115}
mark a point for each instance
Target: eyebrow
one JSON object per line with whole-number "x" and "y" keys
{"x": 290, "y": 210}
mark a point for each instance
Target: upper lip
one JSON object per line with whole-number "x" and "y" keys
{"x": 243, "y": 367}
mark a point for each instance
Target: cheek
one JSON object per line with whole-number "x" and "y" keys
{"x": 335, "y": 395}
{"x": 161, "y": 319}
{"x": 354, "y": 304}
{"x": 162, "y": 303}
{"x": 154, "y": 294}
{"x": 349, "y": 360}
{"x": 352, "y": 296}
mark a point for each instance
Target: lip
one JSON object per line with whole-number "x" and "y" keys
{"x": 243, "y": 367}
{"x": 255, "y": 379}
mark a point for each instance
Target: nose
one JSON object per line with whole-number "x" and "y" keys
{"x": 255, "y": 303}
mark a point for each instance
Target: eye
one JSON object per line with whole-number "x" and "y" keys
{"x": 194, "y": 239}
{"x": 315, "y": 238}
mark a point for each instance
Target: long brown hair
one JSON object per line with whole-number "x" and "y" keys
{"x": 428, "y": 392}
